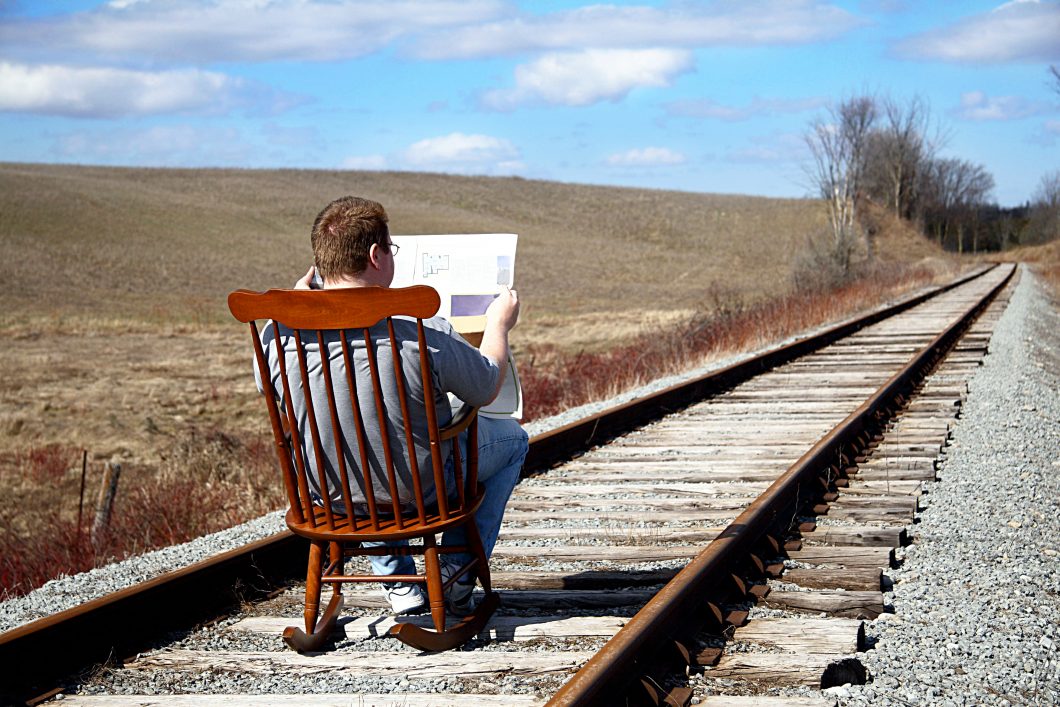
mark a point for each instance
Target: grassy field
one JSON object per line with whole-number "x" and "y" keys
{"x": 118, "y": 339}
{"x": 166, "y": 246}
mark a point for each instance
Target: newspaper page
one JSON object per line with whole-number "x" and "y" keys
{"x": 468, "y": 271}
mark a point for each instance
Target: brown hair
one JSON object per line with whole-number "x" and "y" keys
{"x": 344, "y": 232}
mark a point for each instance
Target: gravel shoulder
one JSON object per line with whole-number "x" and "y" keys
{"x": 977, "y": 598}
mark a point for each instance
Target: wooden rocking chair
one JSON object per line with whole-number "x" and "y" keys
{"x": 310, "y": 316}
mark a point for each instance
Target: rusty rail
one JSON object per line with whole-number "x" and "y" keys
{"x": 39, "y": 655}
{"x": 683, "y": 606}
{"x": 560, "y": 444}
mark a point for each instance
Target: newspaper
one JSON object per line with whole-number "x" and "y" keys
{"x": 468, "y": 271}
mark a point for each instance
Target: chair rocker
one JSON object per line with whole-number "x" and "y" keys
{"x": 302, "y": 319}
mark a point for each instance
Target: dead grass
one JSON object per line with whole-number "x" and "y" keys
{"x": 207, "y": 481}
{"x": 165, "y": 246}
{"x": 556, "y": 380}
{"x": 1044, "y": 260}
{"x": 118, "y": 341}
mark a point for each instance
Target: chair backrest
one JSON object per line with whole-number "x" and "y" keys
{"x": 345, "y": 346}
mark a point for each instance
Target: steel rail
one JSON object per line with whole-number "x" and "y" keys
{"x": 559, "y": 445}
{"x": 39, "y": 655}
{"x": 673, "y": 612}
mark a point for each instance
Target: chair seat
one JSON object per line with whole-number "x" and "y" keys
{"x": 358, "y": 528}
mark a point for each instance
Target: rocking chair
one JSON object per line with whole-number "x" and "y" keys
{"x": 336, "y": 521}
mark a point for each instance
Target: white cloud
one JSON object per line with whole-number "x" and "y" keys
{"x": 107, "y": 93}
{"x": 722, "y": 22}
{"x": 206, "y": 31}
{"x": 590, "y": 76}
{"x": 371, "y": 162}
{"x": 464, "y": 154}
{"x": 1025, "y": 30}
{"x": 771, "y": 149}
{"x": 646, "y": 157}
{"x": 758, "y": 106}
{"x": 976, "y": 105}
{"x": 164, "y": 146}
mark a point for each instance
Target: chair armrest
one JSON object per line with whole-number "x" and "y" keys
{"x": 459, "y": 423}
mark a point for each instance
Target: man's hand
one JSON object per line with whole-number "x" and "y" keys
{"x": 303, "y": 282}
{"x": 504, "y": 310}
{"x": 501, "y": 316}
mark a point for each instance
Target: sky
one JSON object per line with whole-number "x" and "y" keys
{"x": 712, "y": 96}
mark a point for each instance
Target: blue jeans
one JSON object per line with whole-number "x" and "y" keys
{"x": 502, "y": 446}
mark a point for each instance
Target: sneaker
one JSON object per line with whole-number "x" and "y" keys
{"x": 458, "y": 596}
{"x": 405, "y": 598}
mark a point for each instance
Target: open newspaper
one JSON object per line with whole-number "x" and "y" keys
{"x": 468, "y": 271}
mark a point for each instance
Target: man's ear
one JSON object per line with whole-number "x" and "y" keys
{"x": 375, "y": 256}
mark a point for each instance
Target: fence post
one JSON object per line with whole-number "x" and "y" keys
{"x": 81, "y": 498}
{"x": 107, "y": 491}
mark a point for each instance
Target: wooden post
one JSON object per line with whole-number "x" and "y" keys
{"x": 108, "y": 489}
{"x": 81, "y": 498}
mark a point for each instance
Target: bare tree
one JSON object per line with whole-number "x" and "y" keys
{"x": 901, "y": 149}
{"x": 838, "y": 144}
{"x": 973, "y": 186}
{"x": 980, "y": 184}
{"x": 940, "y": 191}
{"x": 1045, "y": 209}
{"x": 954, "y": 192}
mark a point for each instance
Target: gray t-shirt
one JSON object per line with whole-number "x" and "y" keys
{"x": 457, "y": 368}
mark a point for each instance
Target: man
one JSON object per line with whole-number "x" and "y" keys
{"x": 352, "y": 248}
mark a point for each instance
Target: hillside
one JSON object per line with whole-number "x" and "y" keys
{"x": 116, "y": 279}
{"x": 168, "y": 245}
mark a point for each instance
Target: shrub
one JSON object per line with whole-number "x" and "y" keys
{"x": 554, "y": 381}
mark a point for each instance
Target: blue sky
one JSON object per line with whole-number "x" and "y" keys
{"x": 708, "y": 96}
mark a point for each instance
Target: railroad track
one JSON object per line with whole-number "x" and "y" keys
{"x": 738, "y": 540}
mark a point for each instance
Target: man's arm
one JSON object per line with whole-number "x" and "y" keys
{"x": 501, "y": 316}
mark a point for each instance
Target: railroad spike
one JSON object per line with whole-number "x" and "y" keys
{"x": 761, "y": 591}
{"x": 736, "y": 618}
{"x": 709, "y": 657}
{"x": 679, "y": 697}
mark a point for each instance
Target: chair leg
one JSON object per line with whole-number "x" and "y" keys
{"x": 433, "y": 570}
{"x": 316, "y": 633}
{"x": 467, "y": 628}
{"x": 337, "y": 557}
{"x": 312, "y": 584}
{"x": 474, "y": 542}
{"x": 470, "y": 626}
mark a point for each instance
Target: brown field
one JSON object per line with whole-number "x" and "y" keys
{"x": 1044, "y": 260}
{"x": 118, "y": 339}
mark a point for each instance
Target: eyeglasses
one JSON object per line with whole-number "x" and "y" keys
{"x": 394, "y": 248}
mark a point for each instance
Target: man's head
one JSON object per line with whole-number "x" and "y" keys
{"x": 343, "y": 236}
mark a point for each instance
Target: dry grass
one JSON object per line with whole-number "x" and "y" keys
{"x": 118, "y": 339}
{"x": 561, "y": 379}
{"x": 165, "y": 246}
{"x": 1045, "y": 261}
{"x": 206, "y": 480}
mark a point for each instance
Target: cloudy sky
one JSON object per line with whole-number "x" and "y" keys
{"x": 710, "y": 96}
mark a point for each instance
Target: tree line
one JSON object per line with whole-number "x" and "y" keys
{"x": 869, "y": 148}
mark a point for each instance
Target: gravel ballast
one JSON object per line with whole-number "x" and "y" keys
{"x": 977, "y": 599}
